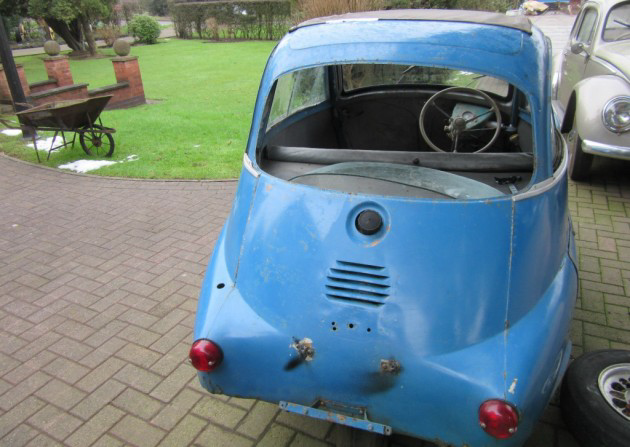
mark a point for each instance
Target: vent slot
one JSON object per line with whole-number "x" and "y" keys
{"x": 358, "y": 283}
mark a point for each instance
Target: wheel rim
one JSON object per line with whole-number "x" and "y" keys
{"x": 614, "y": 385}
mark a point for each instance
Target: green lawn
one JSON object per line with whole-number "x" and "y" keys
{"x": 199, "y": 127}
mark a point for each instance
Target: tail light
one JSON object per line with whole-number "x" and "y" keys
{"x": 498, "y": 418}
{"x": 205, "y": 355}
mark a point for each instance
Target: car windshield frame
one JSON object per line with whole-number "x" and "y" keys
{"x": 624, "y": 25}
{"x": 437, "y": 77}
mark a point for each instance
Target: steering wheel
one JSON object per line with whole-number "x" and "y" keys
{"x": 461, "y": 125}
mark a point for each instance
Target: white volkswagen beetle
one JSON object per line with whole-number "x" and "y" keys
{"x": 592, "y": 85}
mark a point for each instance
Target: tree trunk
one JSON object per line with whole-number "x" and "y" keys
{"x": 69, "y": 33}
{"x": 87, "y": 32}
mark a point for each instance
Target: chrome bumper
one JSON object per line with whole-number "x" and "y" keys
{"x": 607, "y": 150}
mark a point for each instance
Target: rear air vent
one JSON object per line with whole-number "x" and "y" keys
{"x": 358, "y": 283}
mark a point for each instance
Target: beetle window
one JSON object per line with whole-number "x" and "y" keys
{"x": 359, "y": 76}
{"x": 296, "y": 91}
{"x": 589, "y": 20}
{"x": 618, "y": 23}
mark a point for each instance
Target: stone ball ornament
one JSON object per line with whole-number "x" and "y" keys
{"x": 52, "y": 48}
{"x": 122, "y": 47}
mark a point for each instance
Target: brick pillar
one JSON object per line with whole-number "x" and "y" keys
{"x": 58, "y": 68}
{"x": 127, "y": 69}
{"x": 5, "y": 92}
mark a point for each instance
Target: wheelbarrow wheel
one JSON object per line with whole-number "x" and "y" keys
{"x": 96, "y": 142}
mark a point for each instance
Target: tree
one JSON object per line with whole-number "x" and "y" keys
{"x": 158, "y": 7}
{"x": 70, "y": 19}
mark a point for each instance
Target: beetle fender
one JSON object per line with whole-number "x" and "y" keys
{"x": 584, "y": 110}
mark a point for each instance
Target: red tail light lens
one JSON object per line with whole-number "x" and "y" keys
{"x": 498, "y": 418}
{"x": 205, "y": 355}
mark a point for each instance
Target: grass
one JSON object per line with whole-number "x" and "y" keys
{"x": 199, "y": 127}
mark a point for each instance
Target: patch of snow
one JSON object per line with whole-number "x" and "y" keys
{"x": 44, "y": 145}
{"x": 12, "y": 132}
{"x": 84, "y": 166}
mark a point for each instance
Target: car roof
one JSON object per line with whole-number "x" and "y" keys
{"x": 441, "y": 15}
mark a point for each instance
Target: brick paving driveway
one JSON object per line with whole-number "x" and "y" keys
{"x": 98, "y": 286}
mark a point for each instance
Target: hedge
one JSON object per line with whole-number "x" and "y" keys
{"x": 251, "y": 20}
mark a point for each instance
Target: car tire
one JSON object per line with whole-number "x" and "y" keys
{"x": 591, "y": 418}
{"x": 579, "y": 161}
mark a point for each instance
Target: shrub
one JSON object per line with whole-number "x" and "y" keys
{"x": 109, "y": 33}
{"x": 144, "y": 29}
{"x": 309, "y": 9}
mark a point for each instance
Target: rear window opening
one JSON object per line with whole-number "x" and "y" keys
{"x": 398, "y": 130}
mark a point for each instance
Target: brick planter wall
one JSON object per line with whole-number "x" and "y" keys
{"x": 5, "y": 92}
{"x": 58, "y": 68}
{"x": 75, "y": 91}
{"x": 127, "y": 70}
{"x": 42, "y": 86}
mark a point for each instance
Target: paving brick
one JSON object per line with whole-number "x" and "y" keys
{"x": 184, "y": 433}
{"x": 171, "y": 360}
{"x": 138, "y": 318}
{"x": 219, "y": 412}
{"x": 42, "y": 440}
{"x": 175, "y": 381}
{"x": 22, "y": 390}
{"x": 19, "y": 437}
{"x": 65, "y": 370}
{"x": 100, "y": 375}
{"x": 4, "y": 386}
{"x": 138, "y": 404}
{"x": 219, "y": 437}
{"x": 257, "y": 420}
{"x": 15, "y": 325}
{"x": 138, "y": 378}
{"x": 20, "y": 412}
{"x": 105, "y": 332}
{"x": 93, "y": 429}
{"x": 77, "y": 313}
{"x": 60, "y": 394}
{"x": 277, "y": 436}
{"x": 75, "y": 330}
{"x": 7, "y": 363}
{"x": 70, "y": 349}
{"x": 138, "y": 335}
{"x": 54, "y": 422}
{"x": 172, "y": 338}
{"x": 108, "y": 441}
{"x": 97, "y": 399}
{"x": 135, "y": 431}
{"x": 245, "y": 404}
{"x": 138, "y": 355}
{"x": 172, "y": 413}
{"x": 592, "y": 317}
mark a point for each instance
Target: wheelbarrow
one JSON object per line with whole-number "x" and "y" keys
{"x": 80, "y": 116}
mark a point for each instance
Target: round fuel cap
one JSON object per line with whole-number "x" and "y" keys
{"x": 369, "y": 222}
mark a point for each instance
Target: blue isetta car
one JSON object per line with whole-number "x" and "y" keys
{"x": 399, "y": 255}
